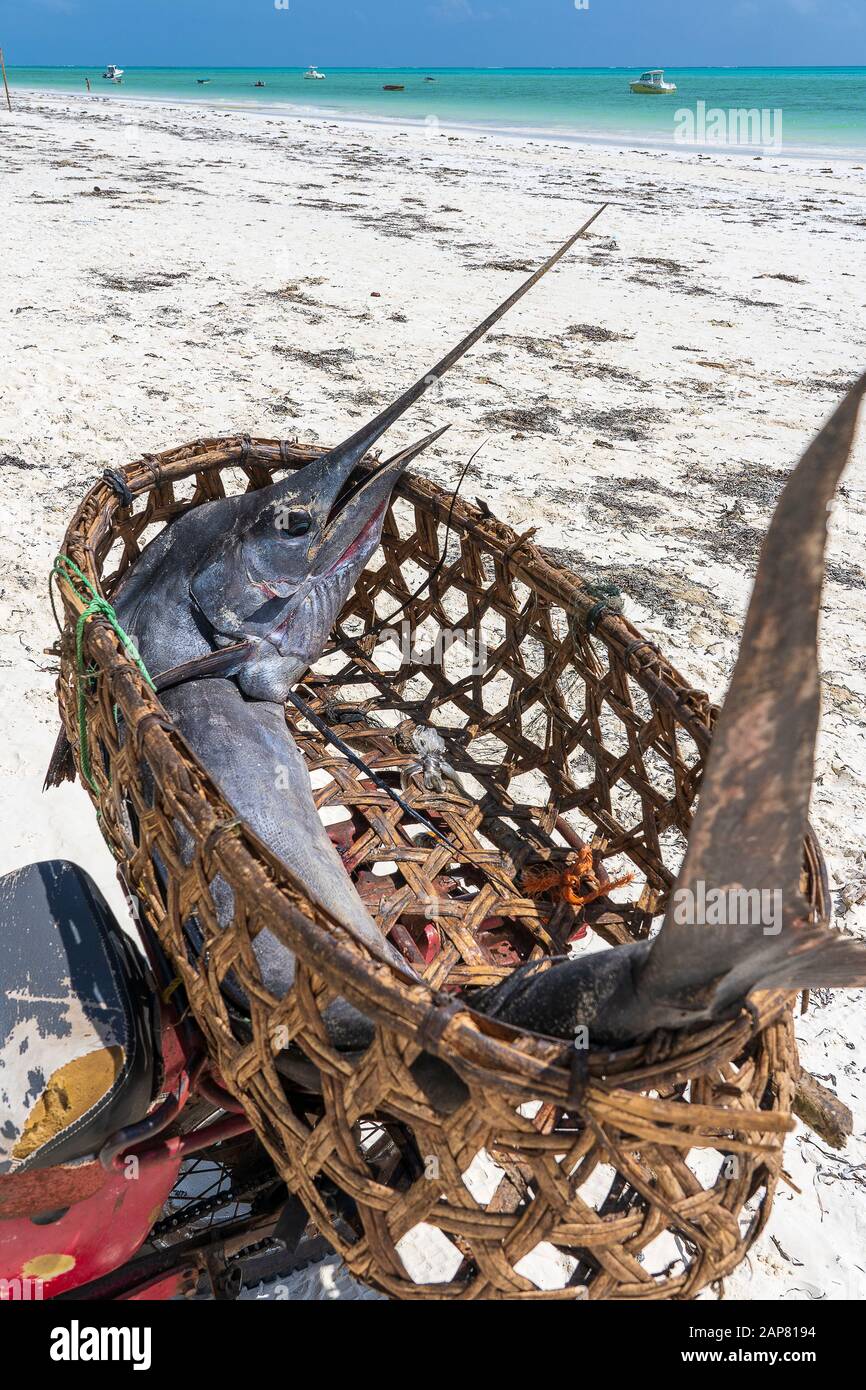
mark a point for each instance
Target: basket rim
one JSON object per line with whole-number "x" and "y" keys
{"x": 505, "y": 1057}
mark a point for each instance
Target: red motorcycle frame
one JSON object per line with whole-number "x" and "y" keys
{"x": 74, "y": 1231}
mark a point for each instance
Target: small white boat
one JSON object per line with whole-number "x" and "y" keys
{"x": 313, "y": 75}
{"x": 113, "y": 73}
{"x": 652, "y": 83}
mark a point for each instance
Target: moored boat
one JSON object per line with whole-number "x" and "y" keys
{"x": 652, "y": 83}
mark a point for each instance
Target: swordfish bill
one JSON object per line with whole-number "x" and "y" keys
{"x": 348, "y": 454}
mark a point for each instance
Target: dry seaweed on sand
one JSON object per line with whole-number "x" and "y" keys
{"x": 539, "y": 419}
{"x": 596, "y": 333}
{"x": 140, "y": 284}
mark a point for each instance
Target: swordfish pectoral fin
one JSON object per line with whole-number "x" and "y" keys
{"x": 749, "y": 829}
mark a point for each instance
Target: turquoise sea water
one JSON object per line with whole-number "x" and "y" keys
{"x": 823, "y": 109}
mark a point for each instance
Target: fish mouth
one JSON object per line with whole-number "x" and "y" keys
{"x": 359, "y": 508}
{"x": 287, "y": 588}
{"x": 343, "y": 535}
{"x": 275, "y": 636}
{"x": 355, "y": 545}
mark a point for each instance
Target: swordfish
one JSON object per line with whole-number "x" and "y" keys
{"x": 260, "y": 580}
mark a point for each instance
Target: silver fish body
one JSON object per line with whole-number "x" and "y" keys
{"x": 248, "y": 751}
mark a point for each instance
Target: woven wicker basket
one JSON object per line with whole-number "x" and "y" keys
{"x": 642, "y": 1174}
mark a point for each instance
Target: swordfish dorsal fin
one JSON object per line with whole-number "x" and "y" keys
{"x": 754, "y": 803}
{"x": 341, "y": 460}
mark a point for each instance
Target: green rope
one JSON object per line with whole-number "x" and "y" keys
{"x": 610, "y": 600}
{"x": 67, "y": 572}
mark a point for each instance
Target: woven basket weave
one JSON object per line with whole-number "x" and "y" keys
{"x": 641, "y": 1174}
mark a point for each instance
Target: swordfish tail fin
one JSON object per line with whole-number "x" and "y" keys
{"x": 749, "y": 829}
{"x": 708, "y": 971}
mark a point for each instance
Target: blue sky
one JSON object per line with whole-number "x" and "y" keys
{"x": 456, "y": 33}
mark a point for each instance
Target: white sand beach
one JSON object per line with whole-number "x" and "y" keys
{"x": 171, "y": 271}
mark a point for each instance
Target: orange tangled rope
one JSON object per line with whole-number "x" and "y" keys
{"x": 565, "y": 884}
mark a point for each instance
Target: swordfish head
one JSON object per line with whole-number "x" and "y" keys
{"x": 279, "y": 577}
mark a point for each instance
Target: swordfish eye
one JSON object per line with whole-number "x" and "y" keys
{"x": 293, "y": 523}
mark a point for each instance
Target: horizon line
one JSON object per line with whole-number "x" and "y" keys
{"x": 457, "y": 67}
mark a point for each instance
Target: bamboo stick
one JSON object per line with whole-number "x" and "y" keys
{"x": 5, "y": 83}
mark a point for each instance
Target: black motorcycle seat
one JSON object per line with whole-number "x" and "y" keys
{"x": 77, "y": 1057}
